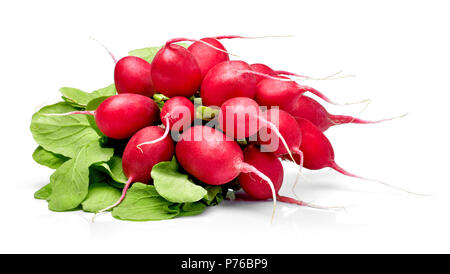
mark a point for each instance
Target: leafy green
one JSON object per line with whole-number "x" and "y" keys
{"x": 47, "y": 158}
{"x": 214, "y": 195}
{"x": 70, "y": 182}
{"x": 114, "y": 169}
{"x": 205, "y": 113}
{"x": 79, "y": 98}
{"x": 191, "y": 209}
{"x": 175, "y": 186}
{"x": 64, "y": 135}
{"x": 143, "y": 203}
{"x": 149, "y": 53}
{"x": 100, "y": 196}
{"x": 43, "y": 193}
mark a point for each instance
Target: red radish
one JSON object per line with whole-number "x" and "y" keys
{"x": 177, "y": 114}
{"x": 309, "y": 109}
{"x": 270, "y": 165}
{"x": 137, "y": 164}
{"x": 120, "y": 116}
{"x": 133, "y": 75}
{"x": 214, "y": 158}
{"x": 261, "y": 68}
{"x": 225, "y": 81}
{"x": 318, "y": 152}
{"x": 206, "y": 56}
{"x": 267, "y": 163}
{"x": 279, "y": 92}
{"x": 175, "y": 71}
{"x": 240, "y": 118}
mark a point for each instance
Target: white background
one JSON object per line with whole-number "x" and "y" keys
{"x": 398, "y": 50}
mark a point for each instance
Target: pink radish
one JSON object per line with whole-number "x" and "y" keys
{"x": 226, "y": 80}
{"x": 270, "y": 165}
{"x": 137, "y": 164}
{"x": 176, "y": 114}
{"x": 318, "y": 152}
{"x": 175, "y": 71}
{"x": 261, "y": 68}
{"x": 240, "y": 118}
{"x": 309, "y": 109}
{"x": 133, "y": 75}
{"x": 279, "y": 92}
{"x": 206, "y": 56}
{"x": 214, "y": 158}
{"x": 120, "y": 116}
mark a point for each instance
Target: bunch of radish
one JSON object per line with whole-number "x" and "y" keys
{"x": 262, "y": 116}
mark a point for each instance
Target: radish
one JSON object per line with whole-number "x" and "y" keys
{"x": 308, "y": 108}
{"x": 137, "y": 163}
{"x": 264, "y": 69}
{"x": 270, "y": 165}
{"x": 214, "y": 158}
{"x": 318, "y": 152}
{"x": 279, "y": 92}
{"x": 240, "y": 118}
{"x": 206, "y": 56}
{"x": 177, "y": 114}
{"x": 120, "y": 116}
{"x": 133, "y": 75}
{"x": 226, "y": 80}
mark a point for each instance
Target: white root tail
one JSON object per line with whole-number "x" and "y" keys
{"x": 166, "y": 133}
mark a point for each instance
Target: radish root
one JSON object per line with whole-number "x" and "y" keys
{"x": 175, "y": 40}
{"x": 166, "y": 133}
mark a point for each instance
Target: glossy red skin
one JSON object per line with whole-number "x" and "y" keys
{"x": 238, "y": 117}
{"x": 268, "y": 164}
{"x": 133, "y": 75}
{"x": 122, "y": 115}
{"x": 288, "y": 128}
{"x": 175, "y": 72}
{"x": 180, "y": 112}
{"x": 316, "y": 147}
{"x": 224, "y": 81}
{"x": 270, "y": 92}
{"x": 138, "y": 165}
{"x": 209, "y": 155}
{"x": 206, "y": 56}
{"x": 261, "y": 68}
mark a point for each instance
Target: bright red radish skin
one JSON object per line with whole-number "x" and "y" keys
{"x": 288, "y": 128}
{"x": 206, "y": 56}
{"x": 175, "y": 72}
{"x": 120, "y": 116}
{"x": 261, "y": 68}
{"x": 137, "y": 163}
{"x": 176, "y": 114}
{"x": 239, "y": 117}
{"x": 268, "y": 164}
{"x": 226, "y": 80}
{"x": 214, "y": 158}
{"x": 133, "y": 75}
{"x": 178, "y": 111}
{"x": 309, "y": 109}
{"x": 279, "y": 92}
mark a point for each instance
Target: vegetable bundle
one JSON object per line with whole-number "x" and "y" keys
{"x": 179, "y": 128}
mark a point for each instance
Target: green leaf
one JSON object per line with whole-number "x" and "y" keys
{"x": 64, "y": 135}
{"x": 149, "y": 53}
{"x": 93, "y": 105}
{"x": 143, "y": 203}
{"x": 47, "y": 158}
{"x": 145, "y": 53}
{"x": 70, "y": 182}
{"x": 114, "y": 169}
{"x": 175, "y": 186}
{"x": 191, "y": 209}
{"x": 214, "y": 195}
{"x": 43, "y": 193}
{"x": 100, "y": 196}
{"x": 81, "y": 98}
